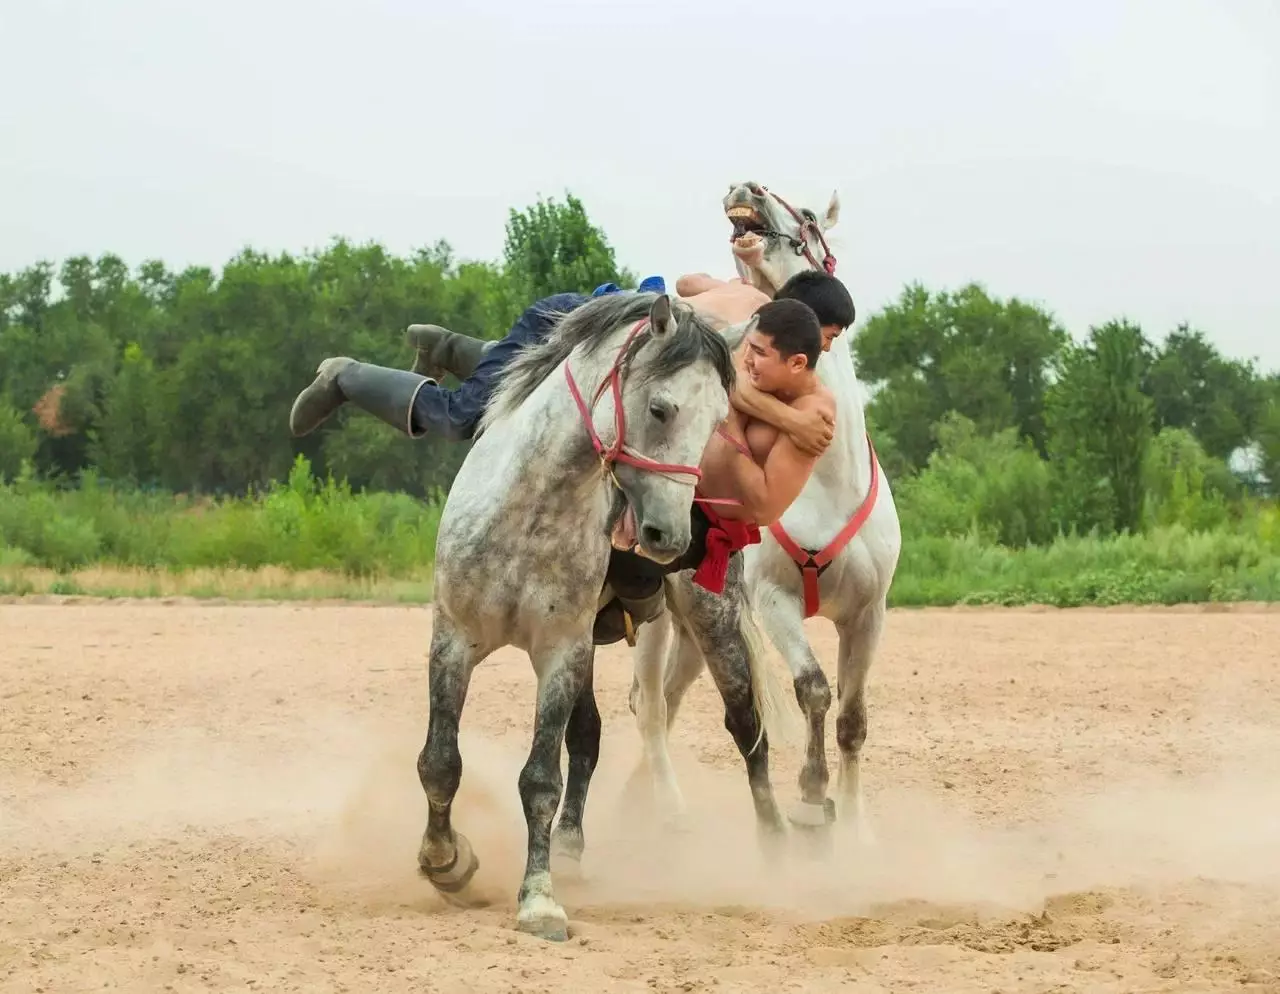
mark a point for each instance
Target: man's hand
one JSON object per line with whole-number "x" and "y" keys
{"x": 811, "y": 430}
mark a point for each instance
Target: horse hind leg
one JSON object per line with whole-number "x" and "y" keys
{"x": 563, "y": 672}
{"x": 582, "y": 741}
{"x": 721, "y": 629}
{"x": 684, "y": 666}
{"x": 858, "y": 643}
{"x": 782, "y": 620}
{"x": 445, "y": 856}
{"x": 653, "y": 649}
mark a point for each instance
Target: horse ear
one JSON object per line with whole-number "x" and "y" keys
{"x": 660, "y": 318}
{"x": 833, "y": 212}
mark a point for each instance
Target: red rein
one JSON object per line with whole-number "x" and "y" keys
{"x": 619, "y": 451}
{"x": 828, "y": 263}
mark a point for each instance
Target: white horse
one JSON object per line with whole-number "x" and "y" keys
{"x": 833, "y": 554}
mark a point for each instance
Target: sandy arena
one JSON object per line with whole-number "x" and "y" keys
{"x": 216, "y": 797}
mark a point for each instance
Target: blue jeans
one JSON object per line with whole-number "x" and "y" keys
{"x": 454, "y": 414}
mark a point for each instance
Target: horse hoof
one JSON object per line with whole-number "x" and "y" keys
{"x": 452, "y": 880}
{"x": 567, "y": 845}
{"x": 814, "y": 826}
{"x": 816, "y": 817}
{"x": 543, "y": 918}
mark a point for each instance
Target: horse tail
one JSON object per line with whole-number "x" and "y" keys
{"x": 774, "y": 704}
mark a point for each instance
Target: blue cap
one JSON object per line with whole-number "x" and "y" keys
{"x": 650, "y": 284}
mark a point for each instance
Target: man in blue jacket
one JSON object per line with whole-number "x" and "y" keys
{"x": 415, "y": 403}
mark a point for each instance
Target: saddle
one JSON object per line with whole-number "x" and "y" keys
{"x": 617, "y": 617}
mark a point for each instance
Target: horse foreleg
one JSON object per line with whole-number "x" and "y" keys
{"x": 563, "y": 672}
{"x": 582, "y": 740}
{"x": 858, "y": 643}
{"x": 782, "y": 619}
{"x": 445, "y": 857}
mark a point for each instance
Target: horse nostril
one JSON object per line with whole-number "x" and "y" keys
{"x": 654, "y": 537}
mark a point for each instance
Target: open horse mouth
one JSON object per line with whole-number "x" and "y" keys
{"x": 748, "y": 225}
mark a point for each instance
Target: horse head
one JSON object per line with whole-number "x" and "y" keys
{"x": 772, "y": 240}
{"x": 650, "y": 380}
{"x": 676, "y": 377}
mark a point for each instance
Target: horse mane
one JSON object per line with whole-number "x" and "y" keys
{"x": 589, "y": 326}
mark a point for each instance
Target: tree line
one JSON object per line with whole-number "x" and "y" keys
{"x": 985, "y": 411}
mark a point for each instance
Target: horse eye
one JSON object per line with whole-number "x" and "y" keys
{"x": 661, "y": 409}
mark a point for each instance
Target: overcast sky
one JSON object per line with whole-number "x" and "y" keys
{"x": 1102, "y": 157}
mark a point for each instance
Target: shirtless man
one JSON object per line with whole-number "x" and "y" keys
{"x": 748, "y": 461}
{"x": 830, "y": 301}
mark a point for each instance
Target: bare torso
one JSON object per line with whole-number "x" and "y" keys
{"x": 717, "y": 478}
{"x": 728, "y": 303}
{"x": 741, "y": 436}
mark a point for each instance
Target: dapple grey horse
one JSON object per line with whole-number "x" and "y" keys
{"x": 524, "y": 543}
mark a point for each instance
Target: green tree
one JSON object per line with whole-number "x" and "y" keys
{"x": 1099, "y": 429}
{"x": 1184, "y": 484}
{"x": 1268, "y": 436}
{"x": 1193, "y": 386}
{"x": 124, "y": 445}
{"x": 554, "y": 248}
{"x": 967, "y": 352}
{"x": 17, "y": 441}
{"x": 995, "y": 485}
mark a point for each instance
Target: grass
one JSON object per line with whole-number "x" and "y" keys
{"x": 1171, "y": 565}
{"x": 267, "y": 583}
{"x": 309, "y": 539}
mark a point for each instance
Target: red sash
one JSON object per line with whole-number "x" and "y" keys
{"x": 725, "y": 537}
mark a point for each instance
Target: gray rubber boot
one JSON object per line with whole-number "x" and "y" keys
{"x": 385, "y": 393}
{"x": 443, "y": 351}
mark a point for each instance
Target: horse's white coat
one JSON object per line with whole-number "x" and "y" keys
{"x": 853, "y": 589}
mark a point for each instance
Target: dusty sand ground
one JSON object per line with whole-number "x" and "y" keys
{"x": 224, "y": 798}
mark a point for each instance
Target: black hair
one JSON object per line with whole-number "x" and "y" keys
{"x": 793, "y": 327}
{"x": 826, "y": 295}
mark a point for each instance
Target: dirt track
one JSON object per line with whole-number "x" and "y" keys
{"x": 224, "y": 798}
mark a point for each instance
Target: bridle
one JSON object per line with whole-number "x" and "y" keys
{"x": 619, "y": 451}
{"x": 801, "y": 244}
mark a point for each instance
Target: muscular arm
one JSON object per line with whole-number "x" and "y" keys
{"x": 809, "y": 428}
{"x": 768, "y": 491}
